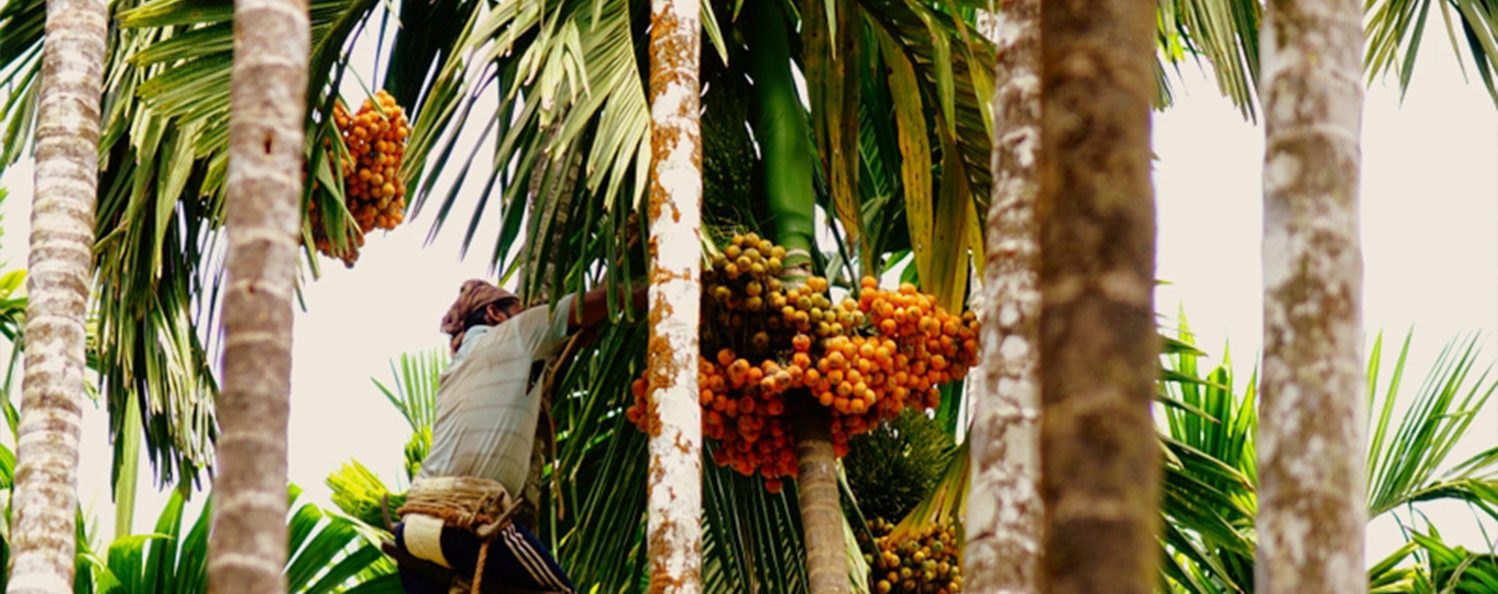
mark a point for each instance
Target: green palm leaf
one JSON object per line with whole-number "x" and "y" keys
{"x": 1395, "y": 29}
{"x": 1454, "y": 569}
{"x": 328, "y": 553}
{"x": 1404, "y": 460}
{"x": 1211, "y": 459}
{"x": 1224, "y": 34}
{"x": 21, "y": 24}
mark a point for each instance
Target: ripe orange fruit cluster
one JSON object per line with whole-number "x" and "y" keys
{"x": 909, "y": 349}
{"x": 941, "y": 346}
{"x": 744, "y": 408}
{"x": 376, "y": 140}
{"x": 373, "y": 189}
{"x": 743, "y": 411}
{"x": 864, "y": 359}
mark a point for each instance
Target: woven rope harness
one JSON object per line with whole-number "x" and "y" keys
{"x": 478, "y": 505}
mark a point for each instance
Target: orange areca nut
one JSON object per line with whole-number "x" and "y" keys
{"x": 374, "y": 192}
{"x": 865, "y": 357}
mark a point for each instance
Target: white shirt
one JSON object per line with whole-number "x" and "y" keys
{"x": 486, "y": 421}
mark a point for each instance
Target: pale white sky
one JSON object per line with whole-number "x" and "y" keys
{"x": 1430, "y": 216}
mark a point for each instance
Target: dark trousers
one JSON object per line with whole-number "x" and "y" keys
{"x": 516, "y": 558}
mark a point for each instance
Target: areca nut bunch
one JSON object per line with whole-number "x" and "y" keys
{"x": 376, "y": 141}
{"x": 919, "y": 561}
{"x": 374, "y": 191}
{"x": 771, "y": 341}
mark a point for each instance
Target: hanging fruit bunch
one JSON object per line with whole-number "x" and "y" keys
{"x": 373, "y": 190}
{"x": 920, "y": 561}
{"x": 769, "y": 342}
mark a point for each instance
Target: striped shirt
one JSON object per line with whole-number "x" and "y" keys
{"x": 486, "y": 420}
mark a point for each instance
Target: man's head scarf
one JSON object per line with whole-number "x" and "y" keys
{"x": 474, "y": 298}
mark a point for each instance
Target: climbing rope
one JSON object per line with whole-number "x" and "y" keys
{"x": 481, "y": 506}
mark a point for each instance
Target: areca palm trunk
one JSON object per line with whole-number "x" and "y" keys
{"x": 780, "y": 127}
{"x": 1004, "y": 511}
{"x": 784, "y": 136}
{"x": 266, "y": 122}
{"x": 549, "y": 211}
{"x": 62, "y": 238}
{"x": 675, "y": 484}
{"x": 1100, "y": 458}
{"x": 1312, "y": 486}
{"x": 816, "y": 491}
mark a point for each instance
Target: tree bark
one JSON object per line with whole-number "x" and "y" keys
{"x": 266, "y": 152}
{"x": 1100, "y": 458}
{"x": 816, "y": 489}
{"x": 675, "y": 483}
{"x": 541, "y": 213}
{"x": 782, "y": 131}
{"x": 1004, "y": 511}
{"x": 60, "y": 263}
{"x": 1311, "y": 456}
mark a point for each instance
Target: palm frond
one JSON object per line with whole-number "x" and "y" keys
{"x": 327, "y": 553}
{"x": 593, "y": 495}
{"x": 752, "y": 538}
{"x": 1403, "y": 460}
{"x": 1210, "y": 460}
{"x": 955, "y": 67}
{"x": 1455, "y": 569}
{"x": 1391, "y": 575}
{"x": 569, "y": 87}
{"x": 415, "y": 382}
{"x": 1208, "y": 494}
{"x": 165, "y": 162}
{"x": 21, "y": 24}
{"x": 1395, "y": 29}
{"x": 1223, "y": 33}
{"x": 833, "y": 46}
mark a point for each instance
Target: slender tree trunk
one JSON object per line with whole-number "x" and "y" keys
{"x": 784, "y": 136}
{"x": 554, "y": 210}
{"x": 1004, "y": 512}
{"x": 549, "y": 211}
{"x": 267, "y": 118}
{"x": 62, "y": 239}
{"x": 675, "y": 487}
{"x": 816, "y": 489}
{"x": 1100, "y": 458}
{"x": 1312, "y": 485}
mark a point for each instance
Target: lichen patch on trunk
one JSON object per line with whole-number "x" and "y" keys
{"x": 45, "y": 496}
{"x": 248, "y": 542}
{"x": 1005, "y": 514}
{"x": 1310, "y": 442}
{"x": 674, "y": 499}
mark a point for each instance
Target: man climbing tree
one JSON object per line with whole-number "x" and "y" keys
{"x": 457, "y": 516}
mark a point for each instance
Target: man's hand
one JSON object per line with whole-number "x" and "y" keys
{"x": 594, "y": 306}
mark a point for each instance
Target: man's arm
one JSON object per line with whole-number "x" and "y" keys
{"x": 594, "y": 306}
